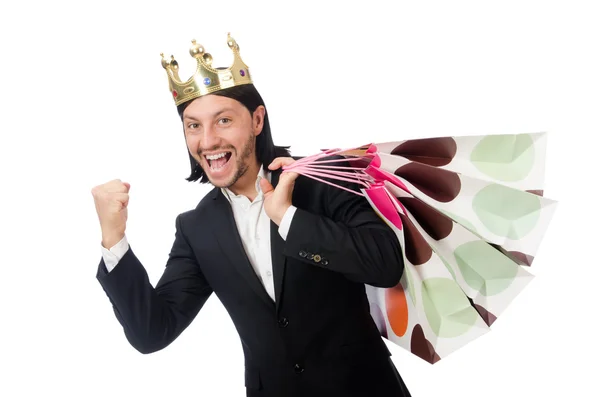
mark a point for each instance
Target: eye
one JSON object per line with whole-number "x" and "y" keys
{"x": 224, "y": 120}
{"x": 192, "y": 126}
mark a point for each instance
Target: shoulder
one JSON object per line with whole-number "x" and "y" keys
{"x": 304, "y": 180}
{"x": 317, "y": 193}
{"x": 205, "y": 204}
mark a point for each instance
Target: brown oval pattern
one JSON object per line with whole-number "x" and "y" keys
{"x": 430, "y": 151}
{"x": 417, "y": 249}
{"x": 439, "y": 184}
{"x": 487, "y": 316}
{"x": 435, "y": 224}
{"x": 522, "y": 258}
{"x": 421, "y": 347}
{"x": 537, "y": 192}
{"x": 517, "y": 256}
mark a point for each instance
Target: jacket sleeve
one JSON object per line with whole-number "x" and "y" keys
{"x": 350, "y": 239}
{"x": 153, "y": 317}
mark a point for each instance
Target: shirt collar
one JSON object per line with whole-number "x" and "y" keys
{"x": 261, "y": 174}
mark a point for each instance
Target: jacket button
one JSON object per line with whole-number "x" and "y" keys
{"x": 302, "y": 254}
{"x": 310, "y": 256}
{"x": 283, "y": 322}
{"x": 298, "y": 369}
{"x": 317, "y": 258}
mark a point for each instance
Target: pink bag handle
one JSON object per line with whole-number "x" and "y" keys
{"x": 314, "y": 174}
{"x": 366, "y": 177}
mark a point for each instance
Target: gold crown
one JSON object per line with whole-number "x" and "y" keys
{"x": 206, "y": 79}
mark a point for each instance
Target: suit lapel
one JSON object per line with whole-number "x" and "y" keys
{"x": 277, "y": 245}
{"x": 230, "y": 242}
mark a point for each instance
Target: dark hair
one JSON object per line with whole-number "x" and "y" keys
{"x": 266, "y": 151}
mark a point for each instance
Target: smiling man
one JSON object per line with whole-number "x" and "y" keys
{"x": 287, "y": 256}
{"x": 221, "y": 135}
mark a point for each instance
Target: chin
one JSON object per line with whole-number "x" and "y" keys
{"x": 221, "y": 184}
{"x": 221, "y": 179}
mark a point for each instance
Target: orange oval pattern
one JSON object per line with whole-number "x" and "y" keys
{"x": 397, "y": 309}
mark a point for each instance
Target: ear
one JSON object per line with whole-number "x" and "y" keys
{"x": 258, "y": 119}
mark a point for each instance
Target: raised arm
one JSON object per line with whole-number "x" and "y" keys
{"x": 152, "y": 317}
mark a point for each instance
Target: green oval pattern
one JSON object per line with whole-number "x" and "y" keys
{"x": 484, "y": 268}
{"x": 411, "y": 286}
{"x": 460, "y": 220}
{"x": 448, "y": 267}
{"x": 506, "y": 158}
{"x": 507, "y": 212}
{"x": 448, "y": 310}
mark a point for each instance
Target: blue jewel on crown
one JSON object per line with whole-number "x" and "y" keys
{"x": 206, "y": 81}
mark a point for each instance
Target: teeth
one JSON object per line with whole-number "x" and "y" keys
{"x": 216, "y": 156}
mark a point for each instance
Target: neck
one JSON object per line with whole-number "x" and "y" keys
{"x": 246, "y": 184}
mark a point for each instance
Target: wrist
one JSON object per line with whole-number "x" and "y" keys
{"x": 280, "y": 214}
{"x": 109, "y": 240}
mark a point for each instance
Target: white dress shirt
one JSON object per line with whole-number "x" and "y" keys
{"x": 254, "y": 228}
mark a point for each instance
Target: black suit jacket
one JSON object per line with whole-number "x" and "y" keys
{"x": 318, "y": 338}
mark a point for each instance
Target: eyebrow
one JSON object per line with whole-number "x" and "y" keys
{"x": 213, "y": 115}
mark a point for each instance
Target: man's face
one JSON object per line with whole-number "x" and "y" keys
{"x": 220, "y": 134}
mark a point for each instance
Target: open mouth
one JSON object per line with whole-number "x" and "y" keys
{"x": 218, "y": 161}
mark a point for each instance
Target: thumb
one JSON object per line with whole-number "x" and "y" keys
{"x": 266, "y": 187}
{"x": 127, "y": 185}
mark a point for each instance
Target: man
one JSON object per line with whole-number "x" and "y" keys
{"x": 287, "y": 256}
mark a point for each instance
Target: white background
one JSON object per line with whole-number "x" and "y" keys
{"x": 84, "y": 100}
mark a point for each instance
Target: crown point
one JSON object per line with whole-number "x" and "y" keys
{"x": 207, "y": 58}
{"x": 196, "y": 49}
{"x": 174, "y": 65}
{"x": 231, "y": 42}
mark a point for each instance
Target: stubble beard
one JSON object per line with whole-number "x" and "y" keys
{"x": 241, "y": 162}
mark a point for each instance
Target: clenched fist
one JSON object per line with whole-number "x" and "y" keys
{"x": 111, "y": 201}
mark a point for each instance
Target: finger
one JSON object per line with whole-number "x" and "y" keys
{"x": 265, "y": 186}
{"x": 122, "y": 187}
{"x": 123, "y": 198}
{"x": 275, "y": 164}
{"x": 288, "y": 176}
{"x": 287, "y": 181}
{"x": 117, "y": 186}
{"x": 281, "y": 161}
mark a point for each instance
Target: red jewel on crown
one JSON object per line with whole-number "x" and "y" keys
{"x": 174, "y": 94}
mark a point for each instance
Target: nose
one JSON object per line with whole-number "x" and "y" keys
{"x": 210, "y": 139}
